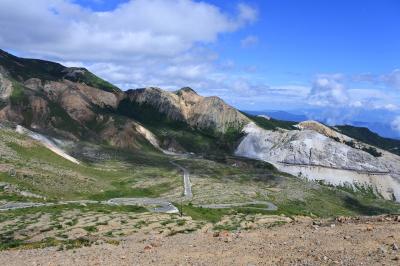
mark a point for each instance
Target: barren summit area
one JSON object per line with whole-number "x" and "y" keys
{"x": 301, "y": 241}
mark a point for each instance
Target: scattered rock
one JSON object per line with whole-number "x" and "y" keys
{"x": 382, "y": 249}
{"x": 316, "y": 222}
{"x": 341, "y": 219}
{"x": 156, "y": 244}
{"x": 224, "y": 234}
{"x": 148, "y": 248}
{"x": 395, "y": 247}
{"x": 227, "y": 239}
{"x": 369, "y": 228}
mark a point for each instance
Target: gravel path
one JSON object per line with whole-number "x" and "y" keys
{"x": 154, "y": 205}
{"x": 162, "y": 205}
{"x": 269, "y": 206}
{"x": 186, "y": 181}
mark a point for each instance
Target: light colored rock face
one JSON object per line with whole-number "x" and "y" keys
{"x": 313, "y": 155}
{"x": 47, "y": 142}
{"x": 40, "y": 110}
{"x": 322, "y": 129}
{"x": 186, "y": 105}
{"x": 77, "y": 99}
{"x": 128, "y": 135}
{"x": 5, "y": 87}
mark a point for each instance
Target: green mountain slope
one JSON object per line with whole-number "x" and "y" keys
{"x": 22, "y": 69}
{"x": 365, "y": 135}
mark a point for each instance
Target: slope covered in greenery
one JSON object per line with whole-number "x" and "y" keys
{"x": 21, "y": 69}
{"x": 271, "y": 124}
{"x": 365, "y": 135}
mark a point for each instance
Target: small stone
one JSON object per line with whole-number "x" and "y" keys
{"x": 148, "y": 248}
{"x": 155, "y": 244}
{"x": 333, "y": 225}
{"x": 316, "y": 227}
{"x": 395, "y": 247}
{"x": 346, "y": 237}
{"x": 397, "y": 258}
{"x": 370, "y": 228}
{"x": 216, "y": 234}
{"x": 224, "y": 233}
{"x": 382, "y": 249}
{"x": 228, "y": 239}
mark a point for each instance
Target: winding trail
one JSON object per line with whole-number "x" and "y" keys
{"x": 186, "y": 181}
{"x": 269, "y": 206}
{"x": 153, "y": 204}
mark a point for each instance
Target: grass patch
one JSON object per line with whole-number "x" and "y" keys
{"x": 123, "y": 191}
{"x": 204, "y": 214}
{"x": 90, "y": 229}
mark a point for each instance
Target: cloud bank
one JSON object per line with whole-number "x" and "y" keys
{"x": 66, "y": 30}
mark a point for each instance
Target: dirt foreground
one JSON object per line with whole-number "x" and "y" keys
{"x": 344, "y": 241}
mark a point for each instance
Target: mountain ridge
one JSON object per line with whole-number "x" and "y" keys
{"x": 180, "y": 121}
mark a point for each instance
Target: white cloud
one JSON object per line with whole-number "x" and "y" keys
{"x": 249, "y": 41}
{"x": 247, "y": 13}
{"x": 328, "y": 90}
{"x": 396, "y": 124}
{"x": 66, "y": 30}
{"x": 392, "y": 79}
{"x": 140, "y": 43}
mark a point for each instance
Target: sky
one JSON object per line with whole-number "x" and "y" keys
{"x": 337, "y": 60}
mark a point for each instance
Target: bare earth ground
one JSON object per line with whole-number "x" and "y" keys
{"x": 356, "y": 241}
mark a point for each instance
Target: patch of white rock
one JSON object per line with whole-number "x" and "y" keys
{"x": 313, "y": 153}
{"x": 47, "y": 142}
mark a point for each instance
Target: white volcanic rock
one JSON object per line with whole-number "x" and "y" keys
{"x": 310, "y": 154}
{"x": 47, "y": 142}
{"x": 5, "y": 87}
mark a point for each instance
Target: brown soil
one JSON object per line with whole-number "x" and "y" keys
{"x": 357, "y": 241}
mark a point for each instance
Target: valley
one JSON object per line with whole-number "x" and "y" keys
{"x": 85, "y": 164}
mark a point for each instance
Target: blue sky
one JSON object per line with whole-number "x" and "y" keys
{"x": 340, "y": 59}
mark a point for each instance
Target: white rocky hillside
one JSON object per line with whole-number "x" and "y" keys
{"x": 317, "y": 152}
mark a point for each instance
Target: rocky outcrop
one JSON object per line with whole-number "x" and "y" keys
{"x": 187, "y": 106}
{"x": 310, "y": 154}
{"x": 323, "y": 130}
{"x": 5, "y": 85}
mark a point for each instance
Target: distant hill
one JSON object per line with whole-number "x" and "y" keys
{"x": 383, "y": 129}
{"x": 365, "y": 135}
{"x": 280, "y": 115}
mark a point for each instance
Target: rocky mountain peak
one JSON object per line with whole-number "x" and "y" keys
{"x": 186, "y": 90}
{"x": 318, "y": 127}
{"x": 187, "y": 106}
